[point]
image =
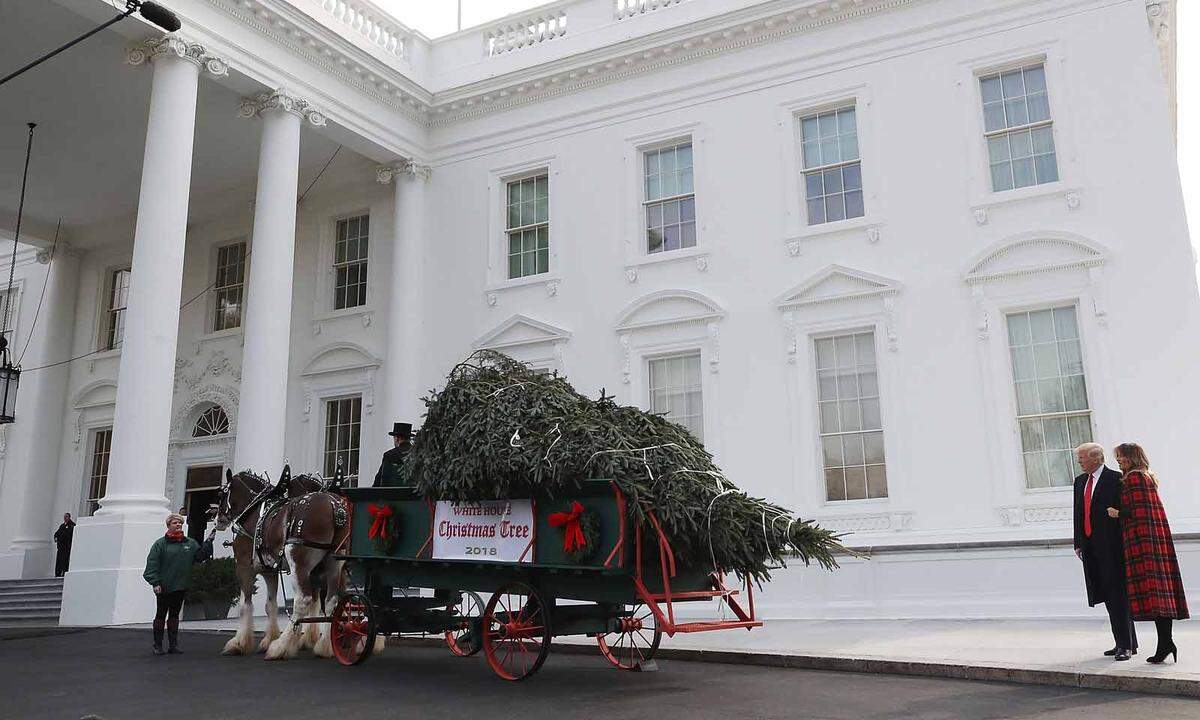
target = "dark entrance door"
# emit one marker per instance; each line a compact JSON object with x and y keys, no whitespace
{"x":203,"y":490}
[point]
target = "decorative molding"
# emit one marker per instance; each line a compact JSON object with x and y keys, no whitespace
{"x":552,"y":288}
{"x":405,"y":168}
{"x":878,"y":522}
{"x":714,"y":341}
{"x":77,"y":429}
{"x":837,"y":284}
{"x":873,"y":235}
{"x":1160,"y":15}
{"x":889,"y":322}
{"x":493,"y":299}
{"x":668,"y":308}
{"x":736,"y":30}
{"x":626,"y":357}
{"x":270,"y":100}
{"x":1015,"y":515}
{"x":525,"y":31}
{"x":793,"y":337}
{"x":204,"y":396}
{"x":981,"y":216}
{"x":521,"y":330}
{"x":173,"y":46}
{"x":982,"y":318}
{"x":1034,"y":253}
{"x":1096,"y":286}
{"x":631,"y":275}
{"x":1073,"y":199}
{"x":219,"y":364}
{"x":702,"y":263}
{"x":793,"y":248}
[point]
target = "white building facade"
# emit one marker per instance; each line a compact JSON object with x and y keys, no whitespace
{"x":890,"y":259}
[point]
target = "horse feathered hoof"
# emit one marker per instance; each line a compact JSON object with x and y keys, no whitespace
{"x":237,"y":646}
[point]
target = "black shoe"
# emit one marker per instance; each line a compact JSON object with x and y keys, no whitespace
{"x":158,"y":650}
{"x":1160,"y":657}
{"x":1110,"y":653}
{"x":1122,"y":655}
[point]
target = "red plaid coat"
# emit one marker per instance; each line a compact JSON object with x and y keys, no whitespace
{"x":1151,"y":570}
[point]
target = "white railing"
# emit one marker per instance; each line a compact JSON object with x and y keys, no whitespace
{"x":525,"y":32}
{"x":369,"y":23}
{"x":632,"y":8}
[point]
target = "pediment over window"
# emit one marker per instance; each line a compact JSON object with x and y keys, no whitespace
{"x":668,"y":307}
{"x":836,"y":284}
{"x":96,"y":394}
{"x":340,"y":357}
{"x":521,"y":330}
{"x":1031,"y":254}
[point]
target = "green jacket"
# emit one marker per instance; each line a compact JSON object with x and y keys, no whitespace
{"x":169,"y":564}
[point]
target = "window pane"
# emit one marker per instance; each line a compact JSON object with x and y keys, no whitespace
{"x":852,"y":449}
{"x":876,"y":481}
{"x":1032,"y":437}
{"x":1051,"y":396}
{"x":832,"y":449}
{"x":1041,"y":324}
{"x":873,"y":444}
{"x":856,"y":483}
{"x":1002,"y":178}
{"x":1035,"y":471}
{"x":835,"y":484}
{"x":1075,"y":393}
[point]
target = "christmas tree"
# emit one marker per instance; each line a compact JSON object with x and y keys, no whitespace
{"x":500,"y":430}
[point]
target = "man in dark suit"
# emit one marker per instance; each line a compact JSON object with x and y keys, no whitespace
{"x":1098,"y":544}
{"x":402,"y":442}
{"x":62,"y":539}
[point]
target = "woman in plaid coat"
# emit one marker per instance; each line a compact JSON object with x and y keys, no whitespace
{"x":1151,"y":569}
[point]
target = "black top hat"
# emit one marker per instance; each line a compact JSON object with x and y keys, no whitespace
{"x":401,"y":430}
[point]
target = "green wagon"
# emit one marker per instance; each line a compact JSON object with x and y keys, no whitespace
{"x":547,"y":566}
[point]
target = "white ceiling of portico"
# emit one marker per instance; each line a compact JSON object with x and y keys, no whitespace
{"x":91,"y":109}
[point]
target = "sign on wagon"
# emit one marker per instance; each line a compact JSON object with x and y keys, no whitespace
{"x":493,"y":530}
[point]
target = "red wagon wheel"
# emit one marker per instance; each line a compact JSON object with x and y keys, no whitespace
{"x":352,"y":629}
{"x":465,"y":640}
{"x":516,"y":631}
{"x":635,"y":641}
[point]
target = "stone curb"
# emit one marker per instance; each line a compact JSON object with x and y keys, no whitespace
{"x":988,"y":673}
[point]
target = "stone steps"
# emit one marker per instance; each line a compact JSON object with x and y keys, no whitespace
{"x":30,"y":603}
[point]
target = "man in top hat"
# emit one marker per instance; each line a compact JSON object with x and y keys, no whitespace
{"x":402,"y":442}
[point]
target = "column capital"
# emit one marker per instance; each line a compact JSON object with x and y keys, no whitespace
{"x":404,"y":168}
{"x":173,"y":46}
{"x":280,"y":100}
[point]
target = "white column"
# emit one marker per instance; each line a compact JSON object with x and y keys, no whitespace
{"x":263,"y":402}
{"x":405,"y":314}
{"x":35,"y":439}
{"x":105,"y":583}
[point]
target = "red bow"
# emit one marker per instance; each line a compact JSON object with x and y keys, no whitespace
{"x":573,"y":535}
{"x":381,"y":513}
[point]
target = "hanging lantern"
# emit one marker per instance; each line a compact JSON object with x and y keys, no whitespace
{"x":10,"y":378}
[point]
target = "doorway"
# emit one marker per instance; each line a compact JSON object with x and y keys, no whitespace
{"x":202,"y":493}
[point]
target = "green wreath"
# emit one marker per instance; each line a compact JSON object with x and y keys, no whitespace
{"x":580,"y":531}
{"x":383,"y":532}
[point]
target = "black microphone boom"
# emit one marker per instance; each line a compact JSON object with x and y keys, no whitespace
{"x":160,"y":16}
{"x":151,"y":11}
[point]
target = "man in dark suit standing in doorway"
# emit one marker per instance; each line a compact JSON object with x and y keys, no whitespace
{"x":402,"y":442}
{"x":1098,"y":544}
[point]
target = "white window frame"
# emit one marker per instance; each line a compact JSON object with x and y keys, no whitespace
{"x":89,"y":461}
{"x":498,"y":282}
{"x":351,"y":478}
{"x":105,"y":309}
{"x":335,"y":265}
{"x":647,"y":203}
{"x":814,"y":378}
{"x":533,"y":342}
{"x":210,"y":317}
{"x":1052,"y":56}
{"x":637,"y":255}
{"x":650,"y":357}
{"x":325,"y":276}
{"x":796,"y":230}
{"x":519,"y":181}
{"x":1032,"y":287}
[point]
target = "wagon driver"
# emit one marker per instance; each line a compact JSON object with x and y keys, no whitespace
{"x":402,"y":443}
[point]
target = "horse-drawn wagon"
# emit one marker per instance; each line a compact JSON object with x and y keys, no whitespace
{"x":506,"y":576}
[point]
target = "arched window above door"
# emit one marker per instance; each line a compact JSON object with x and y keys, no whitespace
{"x":212,"y":421}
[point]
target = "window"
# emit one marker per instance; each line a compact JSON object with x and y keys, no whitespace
{"x":342,"y":420}
{"x":118,"y":298}
{"x":851,"y":425}
{"x":1052,"y":402}
{"x":350,"y":263}
{"x":670,"y":199}
{"x":98,"y":477}
{"x":832,"y":168}
{"x":675,"y":390}
{"x":1018,"y":128}
{"x":229,"y":286}
{"x":528,"y":226}
{"x":212,"y":421}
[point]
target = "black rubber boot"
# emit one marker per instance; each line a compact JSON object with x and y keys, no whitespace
{"x":158,"y":638}
{"x":173,"y":639}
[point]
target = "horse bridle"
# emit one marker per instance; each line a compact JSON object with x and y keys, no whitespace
{"x":235,"y":523}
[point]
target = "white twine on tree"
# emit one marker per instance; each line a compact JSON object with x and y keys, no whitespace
{"x":510,"y":387}
{"x":557,"y":432}
{"x":711,"y":551}
{"x":515,"y":440}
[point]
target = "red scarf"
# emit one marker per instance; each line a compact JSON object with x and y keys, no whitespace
{"x":175,"y":536}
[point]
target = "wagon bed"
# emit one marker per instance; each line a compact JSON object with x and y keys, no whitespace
{"x":622,"y":590}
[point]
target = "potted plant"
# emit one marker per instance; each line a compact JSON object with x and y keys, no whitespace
{"x":214,"y":590}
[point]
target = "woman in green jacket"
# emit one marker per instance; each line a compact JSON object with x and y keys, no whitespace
{"x":169,"y":572}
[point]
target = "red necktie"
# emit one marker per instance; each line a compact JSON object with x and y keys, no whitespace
{"x":1087,"y":507}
